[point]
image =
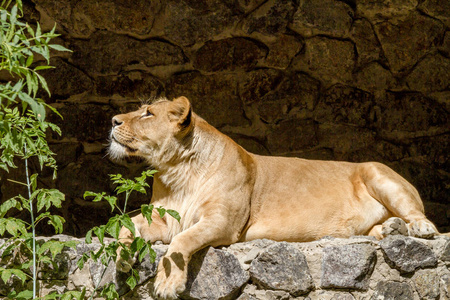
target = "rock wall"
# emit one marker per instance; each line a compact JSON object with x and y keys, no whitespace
{"x":353,"y":80}
{"x":397,"y":267}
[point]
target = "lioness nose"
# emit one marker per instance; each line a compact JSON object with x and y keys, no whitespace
{"x":116,"y":121}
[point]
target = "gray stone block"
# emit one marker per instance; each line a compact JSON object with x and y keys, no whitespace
{"x":214,"y":274}
{"x":282,"y":267}
{"x":391,"y":290}
{"x":407,"y":254}
{"x":348,"y":266}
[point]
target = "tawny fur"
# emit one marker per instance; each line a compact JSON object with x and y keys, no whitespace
{"x":225,"y":194}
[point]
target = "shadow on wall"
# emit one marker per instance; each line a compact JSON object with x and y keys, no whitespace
{"x":344,"y":80}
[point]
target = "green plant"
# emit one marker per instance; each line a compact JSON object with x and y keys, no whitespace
{"x":23,"y":131}
{"x":108,"y":251}
{"x":24,"y":51}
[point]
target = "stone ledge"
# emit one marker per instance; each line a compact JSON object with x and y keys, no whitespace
{"x":331,"y":268}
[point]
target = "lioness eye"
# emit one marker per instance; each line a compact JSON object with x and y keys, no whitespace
{"x":147,"y":113}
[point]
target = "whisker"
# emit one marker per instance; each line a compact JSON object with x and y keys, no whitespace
{"x":139,"y":140}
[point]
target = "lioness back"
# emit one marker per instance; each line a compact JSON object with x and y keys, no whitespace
{"x":301,"y":200}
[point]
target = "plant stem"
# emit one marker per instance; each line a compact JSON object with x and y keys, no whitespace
{"x":18,"y":182}
{"x":33,"y":226}
{"x":127,"y":194}
{"x":100,"y":279}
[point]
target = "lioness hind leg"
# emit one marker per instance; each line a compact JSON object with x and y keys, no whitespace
{"x":399,"y":197}
{"x":392,"y":226}
{"x":422,"y":228}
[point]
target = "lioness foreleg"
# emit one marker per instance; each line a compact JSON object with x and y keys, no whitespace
{"x":156,"y":231}
{"x":171,"y":276}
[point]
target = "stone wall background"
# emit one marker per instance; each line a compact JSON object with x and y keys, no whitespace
{"x":355,"y":80}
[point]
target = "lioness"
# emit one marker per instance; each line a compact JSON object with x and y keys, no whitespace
{"x":225,"y":194}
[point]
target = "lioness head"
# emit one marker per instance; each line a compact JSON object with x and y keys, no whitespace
{"x":153,"y":131}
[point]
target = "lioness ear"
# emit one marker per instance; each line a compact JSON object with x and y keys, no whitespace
{"x":181,"y":112}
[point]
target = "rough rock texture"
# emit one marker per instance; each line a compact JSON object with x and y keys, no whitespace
{"x":214,"y":268}
{"x":407,"y":254}
{"x":328,"y":269}
{"x":392,"y":290}
{"x":282,"y":267}
{"x":348,"y":266}
{"x":322,"y":79}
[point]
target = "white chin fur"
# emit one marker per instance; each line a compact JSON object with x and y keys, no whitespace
{"x":117,"y":151}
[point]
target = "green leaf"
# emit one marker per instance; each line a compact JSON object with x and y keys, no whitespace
{"x":145,"y":250}
{"x":45,"y":260}
{"x":13,"y":16}
{"x":125,"y":220}
{"x":78,"y":295}
{"x":54,"y":127}
{"x":71,"y":244}
{"x":38,"y":30}
{"x":29,"y":61}
{"x":7,"y":205}
{"x":137,"y":244}
{"x":125,"y":252}
{"x":174,"y":214}
{"x":111,"y":249}
{"x":88,"y":237}
{"x":48,"y":198}
{"x":42,"y":216}
{"x":43,"y":83}
{"x":95,"y":256}
{"x":33,"y":180}
{"x":13,"y":226}
{"x":38,"y":68}
{"x":161,"y":211}
{"x":97,"y":196}
{"x":83,"y":259}
{"x":55,"y":247}
{"x":37,"y":108}
{"x":149,"y":173}
{"x":32,"y":83}
{"x":6,"y":274}
{"x":4,"y":166}
{"x":89,"y":194}
{"x":113,"y":227}
{"x":132,"y":282}
{"x":59,"y":47}
{"x":52,"y":295}
{"x":147,"y":211}
{"x":109,"y":292}
{"x":20,"y":274}
{"x":57,"y":222}
{"x":152,"y":255}
{"x":112,"y":201}
{"x":24,"y":295}
{"x":100,"y":233}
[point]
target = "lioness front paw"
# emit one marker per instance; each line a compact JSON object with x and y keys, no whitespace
{"x":170,"y":281}
{"x":124,"y":265}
